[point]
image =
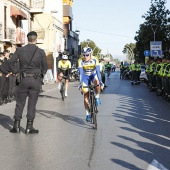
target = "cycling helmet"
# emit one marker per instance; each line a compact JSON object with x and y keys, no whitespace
{"x":87,"y":50}
{"x":65,"y":57}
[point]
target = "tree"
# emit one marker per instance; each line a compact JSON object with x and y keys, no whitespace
{"x":91,"y":44}
{"x":157,"y":15}
{"x":129,"y":50}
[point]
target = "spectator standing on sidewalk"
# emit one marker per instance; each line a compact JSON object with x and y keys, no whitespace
{"x":102,"y":69}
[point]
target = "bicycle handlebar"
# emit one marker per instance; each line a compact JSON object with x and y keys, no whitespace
{"x":66,"y":77}
{"x":92,"y":86}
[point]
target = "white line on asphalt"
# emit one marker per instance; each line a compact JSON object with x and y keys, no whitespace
{"x":155,"y":165}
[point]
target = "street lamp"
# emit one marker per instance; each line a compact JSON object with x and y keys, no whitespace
{"x":154,"y":28}
{"x":88,"y":41}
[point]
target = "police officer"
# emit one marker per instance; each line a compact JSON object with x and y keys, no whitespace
{"x":138,"y":71}
{"x":33,"y":66}
{"x":2,"y":77}
{"x":158,"y":77}
{"x":151,"y":75}
{"x":167,"y":79}
{"x":134,"y":73}
{"x":8,"y":76}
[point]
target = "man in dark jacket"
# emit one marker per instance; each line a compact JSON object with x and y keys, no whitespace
{"x":33,"y":66}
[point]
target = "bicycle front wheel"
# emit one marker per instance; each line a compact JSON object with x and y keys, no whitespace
{"x":62,"y":91}
{"x":94,"y":114}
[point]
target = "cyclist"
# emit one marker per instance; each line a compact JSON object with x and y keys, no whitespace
{"x":108,"y":67}
{"x":64,"y":69}
{"x":89,"y":70}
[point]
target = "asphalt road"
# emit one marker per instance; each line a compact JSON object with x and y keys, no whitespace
{"x":133,"y":130}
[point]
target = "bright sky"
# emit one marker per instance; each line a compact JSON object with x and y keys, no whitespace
{"x":111,"y":24}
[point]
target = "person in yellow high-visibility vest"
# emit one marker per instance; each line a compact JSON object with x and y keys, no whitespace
{"x":151,"y":74}
{"x":158,"y":78}
{"x":134,"y":75}
{"x":162,"y":74}
{"x":167,"y":79}
{"x":138,"y":71}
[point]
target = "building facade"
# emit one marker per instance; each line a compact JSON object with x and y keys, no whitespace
{"x":51,"y":19}
{"x":14,"y":24}
{"x":71,"y":38}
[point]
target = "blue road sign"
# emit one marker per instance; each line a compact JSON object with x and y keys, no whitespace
{"x":156,"y":53}
{"x":156,"y":48}
{"x":146,"y":53}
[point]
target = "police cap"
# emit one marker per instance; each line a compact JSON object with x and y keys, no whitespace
{"x":32,"y":33}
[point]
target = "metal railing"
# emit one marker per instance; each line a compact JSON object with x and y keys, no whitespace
{"x":37,"y":4}
{"x":10,"y":33}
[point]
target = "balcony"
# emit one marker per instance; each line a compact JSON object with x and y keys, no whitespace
{"x":37,"y":6}
{"x":20,"y":36}
{"x":9,"y":35}
{"x":73,"y":35}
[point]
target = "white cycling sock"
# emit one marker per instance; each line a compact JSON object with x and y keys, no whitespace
{"x":59,"y":85}
{"x":87,"y":112}
{"x":97,"y":96}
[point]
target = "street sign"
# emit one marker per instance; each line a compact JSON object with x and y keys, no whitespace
{"x":156,"y":49}
{"x":146,"y":53}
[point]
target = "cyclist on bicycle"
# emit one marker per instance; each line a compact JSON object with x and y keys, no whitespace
{"x":64,"y":69}
{"x":89,"y":70}
{"x":108,"y":67}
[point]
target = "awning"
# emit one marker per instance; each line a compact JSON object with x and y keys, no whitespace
{"x":16,"y":11}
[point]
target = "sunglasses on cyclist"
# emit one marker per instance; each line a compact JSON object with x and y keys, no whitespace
{"x":86,"y":55}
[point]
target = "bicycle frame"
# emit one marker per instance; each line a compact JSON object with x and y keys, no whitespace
{"x":93,"y":107}
{"x":62,"y":90}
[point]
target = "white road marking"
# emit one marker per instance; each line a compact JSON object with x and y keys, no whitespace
{"x":155,"y":165}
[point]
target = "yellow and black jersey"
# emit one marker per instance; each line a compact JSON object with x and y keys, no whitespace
{"x":64,"y":66}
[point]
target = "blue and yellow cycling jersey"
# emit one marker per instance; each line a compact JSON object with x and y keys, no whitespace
{"x":89,"y":67}
{"x":89,"y":71}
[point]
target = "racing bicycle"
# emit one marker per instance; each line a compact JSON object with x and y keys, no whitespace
{"x":62,"y":89}
{"x":92,"y":104}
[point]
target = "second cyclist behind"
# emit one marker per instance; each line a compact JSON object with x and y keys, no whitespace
{"x":64,"y":69}
{"x":89,"y":70}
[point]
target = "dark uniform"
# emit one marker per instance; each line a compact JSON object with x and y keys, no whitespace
{"x":30,"y":85}
{"x":2,"y":78}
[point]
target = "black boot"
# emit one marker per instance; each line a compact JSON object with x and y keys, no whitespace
{"x":29,"y":128}
{"x":16,"y":128}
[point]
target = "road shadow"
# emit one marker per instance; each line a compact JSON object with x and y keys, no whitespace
{"x":125,"y":164}
{"x":7,"y":123}
{"x":148,"y":120}
{"x":50,"y":97}
{"x":67,"y":118}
